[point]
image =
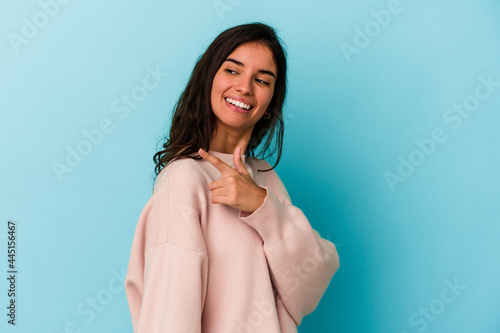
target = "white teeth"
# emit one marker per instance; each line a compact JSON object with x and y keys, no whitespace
{"x":238,"y":104}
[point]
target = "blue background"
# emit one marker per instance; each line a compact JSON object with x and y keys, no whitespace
{"x":352,"y":117}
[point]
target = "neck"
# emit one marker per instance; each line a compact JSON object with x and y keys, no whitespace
{"x":228,"y":158}
{"x":226,"y":141}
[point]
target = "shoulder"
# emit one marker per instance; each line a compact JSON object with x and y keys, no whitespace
{"x":258,"y":163}
{"x":271,"y":178}
{"x":172,"y":213}
{"x":181,"y":174}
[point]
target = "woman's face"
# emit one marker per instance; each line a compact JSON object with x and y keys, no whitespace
{"x":246,"y":78}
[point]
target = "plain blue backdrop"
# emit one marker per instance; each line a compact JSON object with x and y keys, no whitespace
{"x":391,"y":150}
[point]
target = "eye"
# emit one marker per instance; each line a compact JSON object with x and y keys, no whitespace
{"x":262,"y":81}
{"x":230,"y":71}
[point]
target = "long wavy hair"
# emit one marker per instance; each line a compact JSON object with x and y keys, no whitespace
{"x":193,"y":120}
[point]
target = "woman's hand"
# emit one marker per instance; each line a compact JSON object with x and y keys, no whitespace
{"x":236,"y":188}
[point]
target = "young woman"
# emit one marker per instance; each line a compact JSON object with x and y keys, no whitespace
{"x":219,"y":247}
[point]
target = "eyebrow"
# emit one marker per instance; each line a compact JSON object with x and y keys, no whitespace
{"x":239,"y":63}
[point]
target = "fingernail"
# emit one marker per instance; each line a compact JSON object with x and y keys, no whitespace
{"x":201,"y":151}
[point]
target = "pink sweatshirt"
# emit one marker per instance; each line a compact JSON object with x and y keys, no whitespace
{"x":200,"y":267}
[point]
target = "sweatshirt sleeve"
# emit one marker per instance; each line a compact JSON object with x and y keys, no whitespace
{"x":166,"y":278}
{"x":301,"y":263}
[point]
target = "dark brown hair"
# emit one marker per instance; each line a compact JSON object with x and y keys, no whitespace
{"x":193,"y":119}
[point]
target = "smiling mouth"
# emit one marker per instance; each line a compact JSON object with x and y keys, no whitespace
{"x":239,"y":104}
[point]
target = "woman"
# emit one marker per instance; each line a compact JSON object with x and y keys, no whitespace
{"x":219,"y":247}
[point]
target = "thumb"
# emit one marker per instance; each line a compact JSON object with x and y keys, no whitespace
{"x":238,"y":162}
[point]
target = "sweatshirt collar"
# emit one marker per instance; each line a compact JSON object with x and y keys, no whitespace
{"x":227,"y":158}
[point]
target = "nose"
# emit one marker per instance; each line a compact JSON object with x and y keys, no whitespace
{"x":244,"y":85}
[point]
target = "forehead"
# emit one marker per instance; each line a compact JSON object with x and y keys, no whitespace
{"x":255,"y":53}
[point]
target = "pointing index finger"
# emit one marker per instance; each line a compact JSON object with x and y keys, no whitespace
{"x":222,"y":166}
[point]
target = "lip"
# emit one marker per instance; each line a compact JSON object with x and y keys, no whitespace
{"x":235,"y":108}
{"x":239,"y":99}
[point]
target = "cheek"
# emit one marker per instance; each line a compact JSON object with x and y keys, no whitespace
{"x":268,"y":97}
{"x":216,"y":90}
{"x":219,"y":82}
{"x":214,"y":85}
